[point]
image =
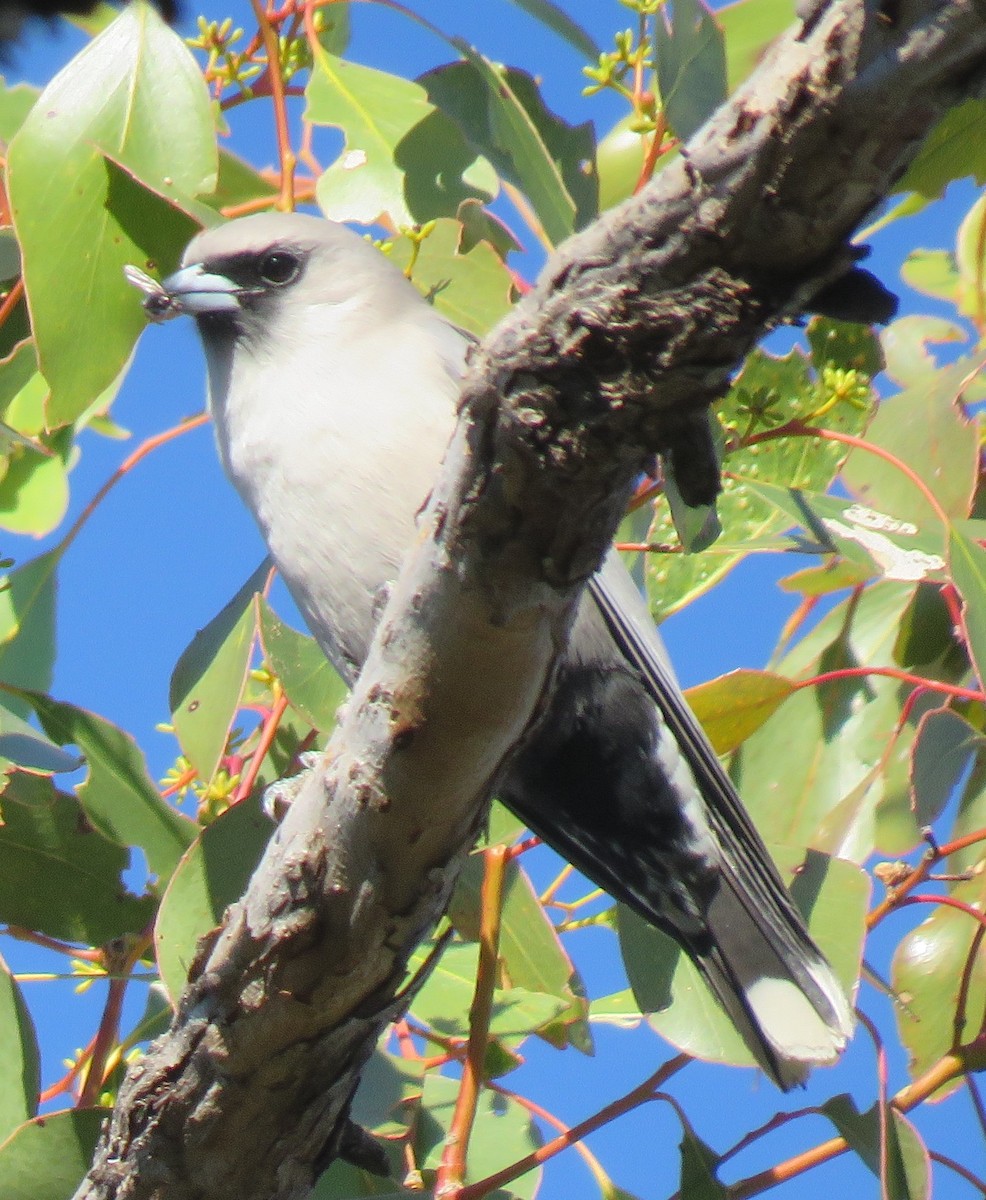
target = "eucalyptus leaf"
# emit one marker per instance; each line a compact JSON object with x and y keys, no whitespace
{"x":47,"y":1158}
{"x":209,"y":677}
{"x":106,"y":102}
{"x":20,"y":1080}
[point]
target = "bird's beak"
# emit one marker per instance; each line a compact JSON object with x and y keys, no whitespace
{"x":195,"y":291}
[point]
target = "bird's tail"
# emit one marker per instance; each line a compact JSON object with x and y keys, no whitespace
{"x":780,"y":993}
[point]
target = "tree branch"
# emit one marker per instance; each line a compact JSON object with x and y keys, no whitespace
{"x":631,"y":332}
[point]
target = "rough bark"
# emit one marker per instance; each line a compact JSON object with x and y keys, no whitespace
{"x":630,"y":334}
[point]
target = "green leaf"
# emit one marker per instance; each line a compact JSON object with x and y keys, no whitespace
{"x":27,"y":626}
{"x":444,"y":1001}
{"x":105,"y":105}
{"x":845,"y":344}
{"x":311,"y":684}
{"x":472,"y":290}
{"x":118,"y":795}
{"x":47,"y":1158}
{"x":698,"y":1166}
{"x":502,"y":827}
{"x":934,"y":273}
{"x":402,"y":157}
{"x":502,"y":114}
{"x":931,"y":959}
{"x":21,"y":1076}
{"x":923,"y":428}
{"x":24,"y":746}
{"x":906,"y":345}
{"x":731,"y":707}
{"x":558,"y":21}
{"x":531,"y":953}
{"x":970,"y":257}
{"x":832,"y":896}
{"x":502,"y":1134}
{"x":15,"y":103}
{"x":874,"y":542}
{"x":46,"y":836}
{"x":33,"y":493}
{"x":388,"y":1089}
{"x":769,"y":392}
{"x":237,"y":182}
{"x":749,"y":29}
{"x":824,"y":749}
{"x":343,"y":1181}
{"x":943,"y":750}
{"x":952,"y":150}
{"x":908,"y":1174}
{"x":967,"y":560}
{"x":214,"y":872}
{"x":691,"y":65}
{"x":210,"y":675}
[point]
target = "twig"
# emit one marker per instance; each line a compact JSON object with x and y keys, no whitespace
{"x":452,"y":1170}
{"x":642,"y":1094}
{"x":286,"y":199}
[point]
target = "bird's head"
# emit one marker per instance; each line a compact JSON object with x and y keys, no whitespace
{"x":261,"y":276}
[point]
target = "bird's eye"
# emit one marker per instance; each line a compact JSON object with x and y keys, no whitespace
{"x":278,"y":267}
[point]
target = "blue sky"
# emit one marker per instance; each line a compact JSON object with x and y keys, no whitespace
{"x":172,"y":544}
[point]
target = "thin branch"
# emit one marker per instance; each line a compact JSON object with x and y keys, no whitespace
{"x":286,"y":156}
{"x":644,"y":1093}
{"x":959,"y":1169}
{"x":452,"y":1169}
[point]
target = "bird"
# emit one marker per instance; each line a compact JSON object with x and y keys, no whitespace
{"x":333,"y":385}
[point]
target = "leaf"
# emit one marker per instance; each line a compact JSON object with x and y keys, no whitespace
{"x":749,"y":30}
{"x":47,"y":1158}
{"x":812,"y":774}
{"x":906,"y":344}
{"x":558,"y":21}
{"x":34,"y":491}
{"x":444,"y":1001}
{"x":845,"y":344}
{"x":943,"y":750}
{"x":923,"y":428}
{"x":502,"y":114}
{"x":27,"y":626}
{"x":698,"y":1166}
{"x":691,"y":65}
{"x":886,"y":545}
{"x":118,"y":795}
{"x":769,"y":392}
{"x":731,"y":707}
{"x":237,"y":182}
{"x":209,"y":677}
{"x":531,"y":953}
{"x":310,"y":682}
{"x":402,"y":157}
{"x":908,"y":1174}
{"x":15,"y":103}
{"x":967,"y":560}
{"x":934,"y":273}
{"x":930,"y":961}
{"x":970,"y":256}
{"x":503,"y":1133}
{"x":472,"y":290}
{"x":832,"y":896}
{"x":952,"y":150}
{"x":45,"y":836}
{"x":214,"y":872}
{"x":106,"y":102}
{"x":21,"y":1076}
{"x":25,"y":747}
{"x":388,"y":1090}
